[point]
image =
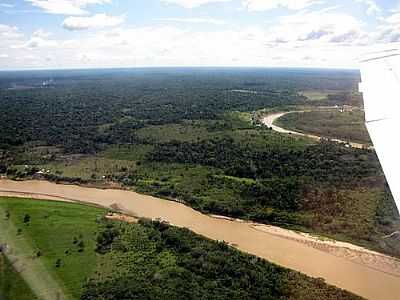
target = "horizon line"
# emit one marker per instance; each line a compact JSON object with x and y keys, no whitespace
{"x":177,"y":67}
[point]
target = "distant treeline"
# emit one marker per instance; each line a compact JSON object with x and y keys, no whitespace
{"x":70,"y":111}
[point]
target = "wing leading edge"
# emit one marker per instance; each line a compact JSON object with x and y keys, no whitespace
{"x":380,"y":75}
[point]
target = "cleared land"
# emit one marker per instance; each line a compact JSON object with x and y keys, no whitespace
{"x":89,"y":168}
{"x":12,"y":286}
{"x":317,"y":95}
{"x":149,"y":260}
{"x":53,"y":251}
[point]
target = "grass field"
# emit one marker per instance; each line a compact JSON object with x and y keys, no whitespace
{"x":194,"y":131}
{"x":12,"y":286}
{"x":64,"y":235}
{"x":347,"y":125}
{"x":92,"y":167}
{"x":126,"y":152}
{"x":317,"y":95}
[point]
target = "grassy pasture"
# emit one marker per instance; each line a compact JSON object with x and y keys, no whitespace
{"x":317,"y":95}
{"x":90,"y":168}
{"x":12,"y":286}
{"x":59,"y":231}
{"x":126,"y":152}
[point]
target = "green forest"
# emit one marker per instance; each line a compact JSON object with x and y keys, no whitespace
{"x":194,"y":136}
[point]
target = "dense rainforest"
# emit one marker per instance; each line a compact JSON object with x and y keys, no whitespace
{"x":193,"y":135}
{"x":69,"y":111}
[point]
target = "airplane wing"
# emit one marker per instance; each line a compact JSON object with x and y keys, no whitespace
{"x":380,"y":75}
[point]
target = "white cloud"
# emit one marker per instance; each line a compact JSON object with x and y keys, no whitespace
{"x":37,"y":42}
{"x":66,"y":7}
{"x":10,"y":36}
{"x":6,"y":5}
{"x":38,"y":39}
{"x":394,"y":19}
{"x":193,"y":20}
{"x":176,"y":46}
{"x":192,"y":3}
{"x":40,"y":33}
{"x":8,"y":32}
{"x":321,"y":27}
{"x":324,"y":38}
{"x":372,"y":6}
{"x":263,"y":5}
{"x":389,"y":30}
{"x":95,"y":21}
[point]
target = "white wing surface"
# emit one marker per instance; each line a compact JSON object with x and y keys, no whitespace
{"x":380,"y":75}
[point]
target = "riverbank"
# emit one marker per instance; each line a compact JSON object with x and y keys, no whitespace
{"x":269,"y":121}
{"x":361,"y":271}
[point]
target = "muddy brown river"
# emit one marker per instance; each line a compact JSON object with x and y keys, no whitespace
{"x":366,"y":273}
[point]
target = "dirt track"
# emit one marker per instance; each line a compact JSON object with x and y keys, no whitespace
{"x":364,"y":272}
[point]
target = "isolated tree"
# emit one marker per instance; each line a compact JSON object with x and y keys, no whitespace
{"x":58,"y":263}
{"x":81,"y":246}
{"x":27,"y":219}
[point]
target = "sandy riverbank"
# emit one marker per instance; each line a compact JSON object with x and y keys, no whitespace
{"x":269,"y":120}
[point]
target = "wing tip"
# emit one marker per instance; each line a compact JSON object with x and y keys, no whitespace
{"x":377,"y":55}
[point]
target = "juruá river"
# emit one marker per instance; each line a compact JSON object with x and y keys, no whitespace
{"x":269,"y":120}
{"x":366,"y":273}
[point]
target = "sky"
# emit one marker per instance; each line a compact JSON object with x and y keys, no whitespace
{"x":59,"y":34}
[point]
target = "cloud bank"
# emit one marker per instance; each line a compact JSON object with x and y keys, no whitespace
{"x":92,"y":22}
{"x":66,"y":7}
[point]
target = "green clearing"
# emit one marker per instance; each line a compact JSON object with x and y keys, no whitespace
{"x":12,"y":286}
{"x":346,"y":125}
{"x":92,"y":167}
{"x":238,"y":119}
{"x":198,"y":130}
{"x":58,"y":231}
{"x":317,"y":95}
{"x":126,"y":152}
